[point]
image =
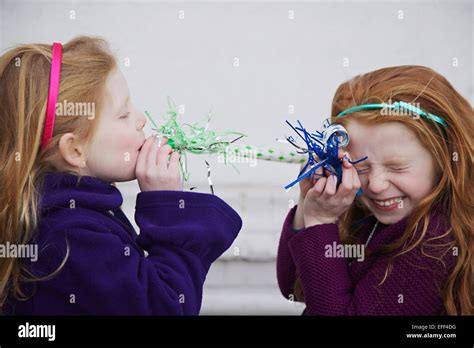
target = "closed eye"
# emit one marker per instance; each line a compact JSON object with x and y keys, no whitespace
{"x":398,"y":169}
{"x":124,"y":115}
{"x":362,"y":170}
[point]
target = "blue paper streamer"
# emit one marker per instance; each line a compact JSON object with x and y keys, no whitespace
{"x":323,"y":146}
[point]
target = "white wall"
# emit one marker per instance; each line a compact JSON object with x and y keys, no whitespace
{"x":282,"y":62}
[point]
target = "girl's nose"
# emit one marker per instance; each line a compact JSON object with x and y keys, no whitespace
{"x":377,"y":182}
{"x":141,"y":121}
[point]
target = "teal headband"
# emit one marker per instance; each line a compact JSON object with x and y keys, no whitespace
{"x":395,"y":106}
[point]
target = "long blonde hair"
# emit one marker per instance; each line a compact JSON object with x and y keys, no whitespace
{"x":24,"y":82}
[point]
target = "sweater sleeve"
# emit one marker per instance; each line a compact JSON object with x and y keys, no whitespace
{"x":286,"y":271}
{"x":412,"y":287}
{"x":183,"y":233}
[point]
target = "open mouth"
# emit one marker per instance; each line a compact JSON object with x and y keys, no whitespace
{"x":388,"y":204}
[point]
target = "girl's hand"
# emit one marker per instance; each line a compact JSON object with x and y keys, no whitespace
{"x":156,"y":170}
{"x":323,"y":203}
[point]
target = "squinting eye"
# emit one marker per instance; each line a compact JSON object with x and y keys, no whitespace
{"x":362,"y":170}
{"x":124,"y":116}
{"x":398,"y":169}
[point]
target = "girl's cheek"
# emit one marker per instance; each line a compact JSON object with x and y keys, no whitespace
{"x":128,"y":144}
{"x":126,"y":140}
{"x":416,"y":187}
{"x":409,"y":184}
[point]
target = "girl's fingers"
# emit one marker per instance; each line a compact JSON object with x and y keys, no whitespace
{"x":347,"y":183}
{"x":162,"y":157}
{"x":162,"y":141}
{"x":346,"y":162}
{"x":151,"y":155}
{"x":142,"y":157}
{"x":174,"y":161}
{"x":319,"y":186}
{"x":345,"y":157}
{"x":331,"y":184}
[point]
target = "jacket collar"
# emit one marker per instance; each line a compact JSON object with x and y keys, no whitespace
{"x":61,"y":189}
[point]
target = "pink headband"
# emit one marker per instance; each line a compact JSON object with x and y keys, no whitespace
{"x":52,"y":94}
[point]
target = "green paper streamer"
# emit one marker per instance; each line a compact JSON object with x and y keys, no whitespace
{"x":198,"y":139}
{"x":194,"y":138}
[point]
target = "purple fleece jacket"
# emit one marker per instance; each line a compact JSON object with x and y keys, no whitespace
{"x":335,"y":286}
{"x":107,"y":272}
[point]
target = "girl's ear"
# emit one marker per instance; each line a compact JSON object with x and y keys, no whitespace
{"x":72,"y":151}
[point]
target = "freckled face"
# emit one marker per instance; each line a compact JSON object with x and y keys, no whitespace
{"x":398,"y":173}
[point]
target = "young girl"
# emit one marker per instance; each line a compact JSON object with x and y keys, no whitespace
{"x":58,"y":166}
{"x":414,"y":218}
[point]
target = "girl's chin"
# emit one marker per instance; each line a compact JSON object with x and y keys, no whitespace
{"x":391,"y":217}
{"x":388,"y":220}
{"x":124,"y":176}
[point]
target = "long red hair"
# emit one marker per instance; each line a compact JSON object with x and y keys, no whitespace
{"x":452,"y":151}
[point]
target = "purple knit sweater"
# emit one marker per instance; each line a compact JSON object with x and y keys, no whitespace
{"x":336,"y":286}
